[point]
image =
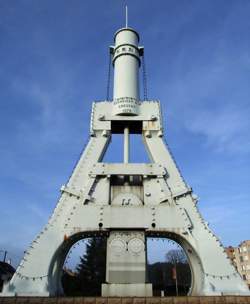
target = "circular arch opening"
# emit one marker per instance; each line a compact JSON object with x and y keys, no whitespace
{"x":174,"y":250}
{"x":84,"y":269}
{"x":79,"y":265}
{"x":168,"y":268}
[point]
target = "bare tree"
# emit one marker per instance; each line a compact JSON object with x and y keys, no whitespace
{"x":180,"y":268}
{"x":176,"y":256}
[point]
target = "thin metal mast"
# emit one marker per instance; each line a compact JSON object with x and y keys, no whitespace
{"x":126,"y":9}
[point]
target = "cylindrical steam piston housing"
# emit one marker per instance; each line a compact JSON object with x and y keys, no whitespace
{"x":126,"y":62}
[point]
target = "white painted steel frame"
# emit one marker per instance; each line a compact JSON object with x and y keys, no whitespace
{"x":160,"y":203}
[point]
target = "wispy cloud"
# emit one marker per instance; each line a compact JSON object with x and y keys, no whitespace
{"x":206,"y":102}
{"x":228,"y":215}
{"x":53,"y":114}
{"x":225,"y":130}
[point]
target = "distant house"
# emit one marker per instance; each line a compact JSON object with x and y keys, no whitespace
{"x":6,"y":273}
{"x":240,"y":257}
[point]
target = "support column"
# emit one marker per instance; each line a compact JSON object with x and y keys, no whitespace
{"x":126,"y":265}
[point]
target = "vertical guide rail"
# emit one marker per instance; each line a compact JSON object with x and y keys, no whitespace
{"x":144,"y":78}
{"x":108,"y":78}
{"x":126,"y":145}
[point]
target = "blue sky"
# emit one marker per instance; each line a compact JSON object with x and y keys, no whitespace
{"x":54,"y":60}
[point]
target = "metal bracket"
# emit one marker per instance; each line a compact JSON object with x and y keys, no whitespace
{"x":65,"y":189}
{"x":184,"y":192}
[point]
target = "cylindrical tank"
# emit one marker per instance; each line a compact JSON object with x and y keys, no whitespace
{"x":126,"y":62}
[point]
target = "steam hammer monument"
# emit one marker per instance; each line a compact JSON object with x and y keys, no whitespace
{"x":126,"y":202}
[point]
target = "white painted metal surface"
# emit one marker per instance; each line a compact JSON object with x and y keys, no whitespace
{"x":128,"y":202}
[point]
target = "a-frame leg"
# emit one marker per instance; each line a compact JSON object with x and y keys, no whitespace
{"x":213,"y":273}
{"x":40,"y":268}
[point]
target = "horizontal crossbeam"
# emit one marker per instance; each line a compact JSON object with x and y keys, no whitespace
{"x":127,"y":169}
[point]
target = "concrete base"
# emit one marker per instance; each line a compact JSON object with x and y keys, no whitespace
{"x":148,"y":300}
{"x":127,"y":290}
{"x":26,"y":295}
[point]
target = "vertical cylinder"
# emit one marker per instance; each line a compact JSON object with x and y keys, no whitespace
{"x":126,"y":61}
{"x":126,"y":145}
